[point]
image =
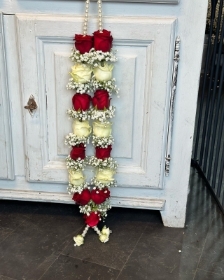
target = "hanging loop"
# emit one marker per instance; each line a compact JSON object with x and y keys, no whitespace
{"x":100,"y":24}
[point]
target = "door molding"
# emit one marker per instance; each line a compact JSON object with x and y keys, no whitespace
{"x":6,"y":154}
{"x":145,"y":1}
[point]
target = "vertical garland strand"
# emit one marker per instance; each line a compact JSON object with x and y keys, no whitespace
{"x":92,"y":73}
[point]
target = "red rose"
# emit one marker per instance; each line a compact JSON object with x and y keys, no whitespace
{"x":103,"y":153}
{"x":83,"y":43}
{"x":102,"y":40}
{"x":82,"y":198}
{"x":78,"y":152}
{"x":81,"y":101}
{"x":99,"y":196}
{"x":101,"y":99}
{"x":92,"y":220}
{"x":105,"y":193}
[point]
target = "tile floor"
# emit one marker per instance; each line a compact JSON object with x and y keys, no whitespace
{"x":36,"y":243}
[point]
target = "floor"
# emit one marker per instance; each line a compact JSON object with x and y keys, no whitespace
{"x":36,"y":243}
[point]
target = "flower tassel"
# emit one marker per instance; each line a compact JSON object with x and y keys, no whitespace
{"x":79,"y":239}
{"x":104,"y":234}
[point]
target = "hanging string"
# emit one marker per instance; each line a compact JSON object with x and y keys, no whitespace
{"x":100,"y":15}
{"x":85,"y":27}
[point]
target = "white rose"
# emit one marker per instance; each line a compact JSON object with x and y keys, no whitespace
{"x":103,"y":73}
{"x":79,"y":240}
{"x":106,"y":231}
{"x":81,"y":129}
{"x":104,"y":238}
{"x":81,"y":73}
{"x":76,"y":178}
{"x":102,"y":129}
{"x":105,"y":175}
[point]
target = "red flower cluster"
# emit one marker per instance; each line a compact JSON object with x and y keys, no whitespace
{"x":97,"y":196}
{"x":103,"y":40}
{"x":100,"y":41}
{"x":78,"y":151}
{"x":83,"y":43}
{"x":101,"y":99}
{"x":93,"y":219}
{"x":103,"y":153}
{"x":83,"y":198}
{"x":81,"y":101}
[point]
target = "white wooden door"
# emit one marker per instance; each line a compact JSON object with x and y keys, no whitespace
{"x":143,"y":73}
{"x":6,"y":160}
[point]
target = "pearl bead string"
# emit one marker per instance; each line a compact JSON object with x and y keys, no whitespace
{"x":97,"y":230}
{"x":85,"y":231}
{"x":86,"y":18}
{"x":100,"y":15}
{"x":85,"y":26}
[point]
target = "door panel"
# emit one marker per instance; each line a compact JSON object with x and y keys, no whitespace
{"x":6,"y":159}
{"x":145,"y":50}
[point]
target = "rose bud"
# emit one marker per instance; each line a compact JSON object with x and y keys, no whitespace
{"x":81,"y":101}
{"x":103,"y":153}
{"x":92,"y":220}
{"x":101,"y":99}
{"x":83,"y":43}
{"x":78,"y":152}
{"x":97,"y":196}
{"x":103,"y":40}
{"x":82,"y":198}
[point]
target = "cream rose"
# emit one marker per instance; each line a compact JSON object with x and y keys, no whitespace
{"x":103,"y":73}
{"x":105,"y":175}
{"x":81,"y":73}
{"x":81,"y":129}
{"x":106,"y":231}
{"x":76,"y":178}
{"x":104,"y":238}
{"x":79,"y":240}
{"x":102,"y":129}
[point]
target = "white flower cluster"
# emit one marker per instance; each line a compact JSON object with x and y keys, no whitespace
{"x":80,"y":115}
{"x":93,"y":57}
{"x":101,"y":186}
{"x":72,"y":140}
{"x":86,"y":209}
{"x":77,"y":189}
{"x":101,"y":208}
{"x":102,"y":142}
{"x":103,"y":115}
{"x":78,"y":164}
{"x":79,"y":87}
{"x":100,"y":163}
{"x":109,"y":86}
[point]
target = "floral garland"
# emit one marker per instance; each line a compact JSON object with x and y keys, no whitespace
{"x":92,"y":73}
